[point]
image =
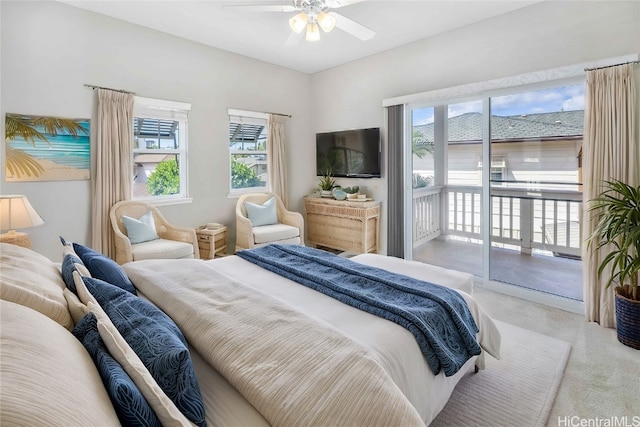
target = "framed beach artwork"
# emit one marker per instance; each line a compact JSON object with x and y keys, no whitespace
{"x":42,"y":148}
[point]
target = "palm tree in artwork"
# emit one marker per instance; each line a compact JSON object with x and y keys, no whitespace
{"x":19,"y":163}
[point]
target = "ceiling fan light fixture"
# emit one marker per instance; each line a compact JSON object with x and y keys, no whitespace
{"x":298,"y":22}
{"x":313,"y":32}
{"x":326,"y":21}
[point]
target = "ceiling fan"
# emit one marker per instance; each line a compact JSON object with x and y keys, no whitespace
{"x":314,"y":15}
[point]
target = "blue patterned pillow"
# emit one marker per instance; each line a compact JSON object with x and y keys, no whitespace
{"x":157,"y":341}
{"x":104,"y":268}
{"x":68,"y":267}
{"x":130,"y":405}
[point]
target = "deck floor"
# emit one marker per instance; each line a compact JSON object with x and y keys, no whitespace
{"x":550,"y":274}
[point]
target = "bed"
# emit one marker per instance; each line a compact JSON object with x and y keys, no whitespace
{"x":268,"y":351}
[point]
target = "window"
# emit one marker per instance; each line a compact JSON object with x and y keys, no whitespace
{"x":248,"y":152}
{"x":498,"y":169}
{"x":159,"y":149}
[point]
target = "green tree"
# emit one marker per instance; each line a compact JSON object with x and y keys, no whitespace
{"x":419,"y":145}
{"x":165,"y":179}
{"x":242,"y":176}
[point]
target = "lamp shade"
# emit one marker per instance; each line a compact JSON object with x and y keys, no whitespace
{"x":298,"y":22}
{"x":326,"y":21}
{"x":313,"y":32}
{"x":17,"y":212}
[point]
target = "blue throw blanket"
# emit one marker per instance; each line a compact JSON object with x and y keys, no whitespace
{"x":437,"y":316}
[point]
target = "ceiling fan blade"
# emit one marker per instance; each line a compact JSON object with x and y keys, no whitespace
{"x":261,"y":7}
{"x":294,"y":38}
{"x":352,"y":27}
{"x":334,"y":4}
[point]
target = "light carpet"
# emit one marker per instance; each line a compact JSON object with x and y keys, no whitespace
{"x":517,"y":390}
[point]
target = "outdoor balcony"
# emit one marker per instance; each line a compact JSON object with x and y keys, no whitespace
{"x":536,"y":236}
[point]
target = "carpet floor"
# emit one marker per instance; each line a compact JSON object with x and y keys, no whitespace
{"x":517,"y":390}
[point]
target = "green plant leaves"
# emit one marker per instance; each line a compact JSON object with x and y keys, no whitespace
{"x":617,"y":215}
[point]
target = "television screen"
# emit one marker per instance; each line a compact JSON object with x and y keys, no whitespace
{"x":349,"y":153}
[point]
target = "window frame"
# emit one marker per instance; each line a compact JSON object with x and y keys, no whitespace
{"x":248,"y":117}
{"x":158,"y":109}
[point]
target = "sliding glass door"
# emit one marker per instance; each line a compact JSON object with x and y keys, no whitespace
{"x":536,"y":202}
{"x":496,"y":187}
{"x":447,"y":186}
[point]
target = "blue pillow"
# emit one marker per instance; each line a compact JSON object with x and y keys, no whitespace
{"x":265,"y":214}
{"x":157,"y":341}
{"x":104,"y":268}
{"x":68,"y":267}
{"x":140,"y":230}
{"x":130,"y":405}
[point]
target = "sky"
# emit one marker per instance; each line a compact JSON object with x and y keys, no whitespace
{"x":566,"y":98}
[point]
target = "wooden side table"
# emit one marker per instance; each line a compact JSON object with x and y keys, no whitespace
{"x":212,"y":242}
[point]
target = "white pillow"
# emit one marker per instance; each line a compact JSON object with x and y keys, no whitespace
{"x":264,"y":214}
{"x":32,"y":280}
{"x":81,"y":289}
{"x":142,"y":229}
{"x":48,"y":378}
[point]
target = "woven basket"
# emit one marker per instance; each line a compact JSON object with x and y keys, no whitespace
{"x":628,"y":321}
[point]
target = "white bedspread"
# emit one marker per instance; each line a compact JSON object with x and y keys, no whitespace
{"x":183,"y":288}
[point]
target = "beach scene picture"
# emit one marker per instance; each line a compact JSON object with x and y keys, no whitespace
{"x":41,"y":148}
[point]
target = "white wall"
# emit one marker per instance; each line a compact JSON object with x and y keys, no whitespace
{"x":542,"y":36}
{"x":49,"y":50}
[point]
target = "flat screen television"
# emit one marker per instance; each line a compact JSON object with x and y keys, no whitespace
{"x":349,"y":153}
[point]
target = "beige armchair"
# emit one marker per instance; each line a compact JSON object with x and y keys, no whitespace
{"x":174,"y":242}
{"x":288,"y":230}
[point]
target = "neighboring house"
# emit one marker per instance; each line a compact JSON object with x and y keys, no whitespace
{"x":544,"y":147}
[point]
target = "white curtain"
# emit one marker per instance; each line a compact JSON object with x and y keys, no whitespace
{"x":611,"y":151}
{"x":112,"y":178}
{"x":277,"y":158}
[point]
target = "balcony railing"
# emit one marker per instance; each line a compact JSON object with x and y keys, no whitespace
{"x":548,"y":220}
{"x":426,"y":214}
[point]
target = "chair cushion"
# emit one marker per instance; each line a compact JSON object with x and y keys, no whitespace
{"x":294,"y":241}
{"x":264,"y":214}
{"x":274,"y":232}
{"x":161,"y":249}
{"x":140,"y":230}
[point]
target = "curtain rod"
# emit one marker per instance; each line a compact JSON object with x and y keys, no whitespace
{"x":280,"y":114}
{"x":133,"y":93}
{"x":609,"y":66}
{"x":108,"y":88}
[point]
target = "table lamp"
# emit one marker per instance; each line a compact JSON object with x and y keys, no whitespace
{"x":17,"y":212}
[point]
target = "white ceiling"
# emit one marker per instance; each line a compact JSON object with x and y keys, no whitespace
{"x":262,"y":35}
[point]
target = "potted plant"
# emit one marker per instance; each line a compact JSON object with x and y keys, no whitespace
{"x":618,"y":229}
{"x":352,"y":192}
{"x":327,"y":183}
